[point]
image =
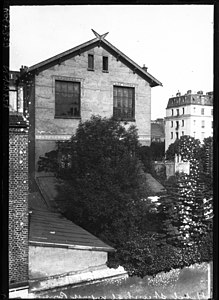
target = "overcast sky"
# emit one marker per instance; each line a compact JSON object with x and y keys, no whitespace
{"x":175,"y":42}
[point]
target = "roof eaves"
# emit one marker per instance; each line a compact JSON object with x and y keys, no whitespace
{"x":35,"y":68}
{"x":154,"y":81}
{"x":61,"y":55}
{"x":106,"y":248}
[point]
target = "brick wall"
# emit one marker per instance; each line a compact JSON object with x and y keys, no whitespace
{"x":18,"y":206}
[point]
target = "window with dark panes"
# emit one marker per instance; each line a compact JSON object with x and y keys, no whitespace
{"x":67,"y":99}
{"x":90,"y":62}
{"x":123,"y":103}
{"x":105,"y":63}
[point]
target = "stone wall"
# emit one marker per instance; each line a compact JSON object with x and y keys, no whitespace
{"x":96,"y":97}
{"x":57,"y":261}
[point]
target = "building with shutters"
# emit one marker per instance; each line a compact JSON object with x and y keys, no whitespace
{"x":189,"y":114}
{"x":94,"y":78}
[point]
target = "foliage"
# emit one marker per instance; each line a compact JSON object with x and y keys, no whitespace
{"x":145,"y":155}
{"x":187,"y":146}
{"x":207,"y":155}
{"x":49,"y":163}
{"x":157,"y":150}
{"x":148,"y":154}
{"x":104,"y":178}
{"x":105,"y":188}
{"x":186,"y":210}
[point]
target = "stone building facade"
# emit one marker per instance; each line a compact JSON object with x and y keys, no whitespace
{"x":189,"y":114}
{"x":18,"y":202}
{"x":94,"y":78}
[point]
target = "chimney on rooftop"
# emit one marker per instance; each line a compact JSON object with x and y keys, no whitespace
{"x":189,"y":92}
{"x":144,"y":68}
{"x":200,"y":92}
{"x":23,"y":69}
{"x":178,"y":94}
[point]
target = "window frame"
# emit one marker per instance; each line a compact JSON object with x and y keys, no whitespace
{"x":105,"y":62}
{"x":177,"y":125}
{"x":90,"y":62}
{"x":122,"y":118}
{"x":68,"y":82}
{"x":202,"y":111}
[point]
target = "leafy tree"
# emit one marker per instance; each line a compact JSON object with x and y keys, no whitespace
{"x":207,"y":155}
{"x":107,"y":195}
{"x":184,"y":207}
{"x":104,"y":177}
{"x":145,"y":155}
{"x":157,"y":150}
{"x":187,"y":146}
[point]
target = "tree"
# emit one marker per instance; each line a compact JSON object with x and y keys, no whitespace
{"x":207,"y":155}
{"x":105,"y":188}
{"x":157,"y":150}
{"x":104,"y":177}
{"x":187,"y":146}
{"x":145,"y":155}
{"x":184,"y":207}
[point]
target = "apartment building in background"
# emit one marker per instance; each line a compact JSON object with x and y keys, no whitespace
{"x":189,"y":114}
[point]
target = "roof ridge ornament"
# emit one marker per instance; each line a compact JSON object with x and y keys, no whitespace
{"x":100,"y":36}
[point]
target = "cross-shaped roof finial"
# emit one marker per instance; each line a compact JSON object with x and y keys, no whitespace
{"x":100,"y":36}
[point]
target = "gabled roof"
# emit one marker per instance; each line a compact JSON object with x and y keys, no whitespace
{"x":98,"y":41}
{"x":52,"y":229}
{"x":48,"y":227}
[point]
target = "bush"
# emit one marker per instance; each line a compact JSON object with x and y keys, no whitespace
{"x":105,"y":188}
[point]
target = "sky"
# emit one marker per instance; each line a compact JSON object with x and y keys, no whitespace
{"x":175,"y":42}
